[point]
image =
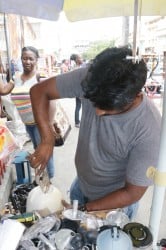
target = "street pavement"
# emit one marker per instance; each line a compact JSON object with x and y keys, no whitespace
{"x":65,"y":169}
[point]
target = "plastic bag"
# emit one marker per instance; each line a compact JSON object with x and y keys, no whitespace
{"x":18,"y":130}
{"x":10,"y":107}
{"x":8,"y":145}
{"x":43,"y":225}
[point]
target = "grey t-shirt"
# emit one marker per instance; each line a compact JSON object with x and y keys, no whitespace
{"x":112,"y":149}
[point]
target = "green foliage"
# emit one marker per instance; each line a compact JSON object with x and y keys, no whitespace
{"x":96,"y":47}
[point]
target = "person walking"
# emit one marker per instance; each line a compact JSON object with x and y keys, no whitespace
{"x":64,"y":66}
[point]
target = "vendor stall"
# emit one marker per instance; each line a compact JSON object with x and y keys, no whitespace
{"x":78,"y":10}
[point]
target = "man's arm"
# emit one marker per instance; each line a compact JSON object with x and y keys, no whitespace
{"x":41,"y":94}
{"x":117,"y":199}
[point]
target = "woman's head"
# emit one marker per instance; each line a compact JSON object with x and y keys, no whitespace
{"x":29,"y":57}
{"x":76,"y":58}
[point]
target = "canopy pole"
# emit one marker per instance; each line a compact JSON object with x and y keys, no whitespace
{"x":135,"y":28}
{"x":159,"y":190}
{"x":7,"y":46}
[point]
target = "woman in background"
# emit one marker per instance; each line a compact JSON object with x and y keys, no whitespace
{"x":21,"y":98}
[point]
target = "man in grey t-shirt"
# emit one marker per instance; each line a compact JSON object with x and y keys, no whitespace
{"x":119,"y":132}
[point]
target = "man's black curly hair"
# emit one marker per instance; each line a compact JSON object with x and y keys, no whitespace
{"x":113,"y":81}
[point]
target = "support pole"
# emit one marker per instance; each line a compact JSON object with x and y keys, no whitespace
{"x":7,"y":46}
{"x":159,"y":190}
{"x":135,"y":28}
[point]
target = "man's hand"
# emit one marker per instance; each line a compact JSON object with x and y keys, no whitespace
{"x":66,"y":205}
{"x":41,"y":156}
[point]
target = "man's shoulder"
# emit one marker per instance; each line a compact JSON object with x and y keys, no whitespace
{"x":76,"y":73}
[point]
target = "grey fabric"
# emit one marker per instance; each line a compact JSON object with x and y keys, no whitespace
{"x":112,"y":149}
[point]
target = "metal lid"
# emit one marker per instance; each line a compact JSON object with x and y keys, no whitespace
{"x":117,"y":217}
{"x":139,"y":234}
{"x":113,"y":239}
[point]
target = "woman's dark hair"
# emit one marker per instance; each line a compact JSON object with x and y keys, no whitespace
{"x":73,"y":57}
{"x":113,"y":81}
{"x":33,"y":49}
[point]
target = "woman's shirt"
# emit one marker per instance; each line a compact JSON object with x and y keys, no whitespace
{"x":21,"y":98}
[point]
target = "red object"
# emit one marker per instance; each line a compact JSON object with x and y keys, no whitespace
{"x":4,"y":166}
{"x":1,"y":173}
{"x":2,"y":169}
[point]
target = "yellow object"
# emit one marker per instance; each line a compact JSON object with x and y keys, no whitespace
{"x":7,"y":142}
{"x":158,"y":177}
{"x":91,"y":9}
